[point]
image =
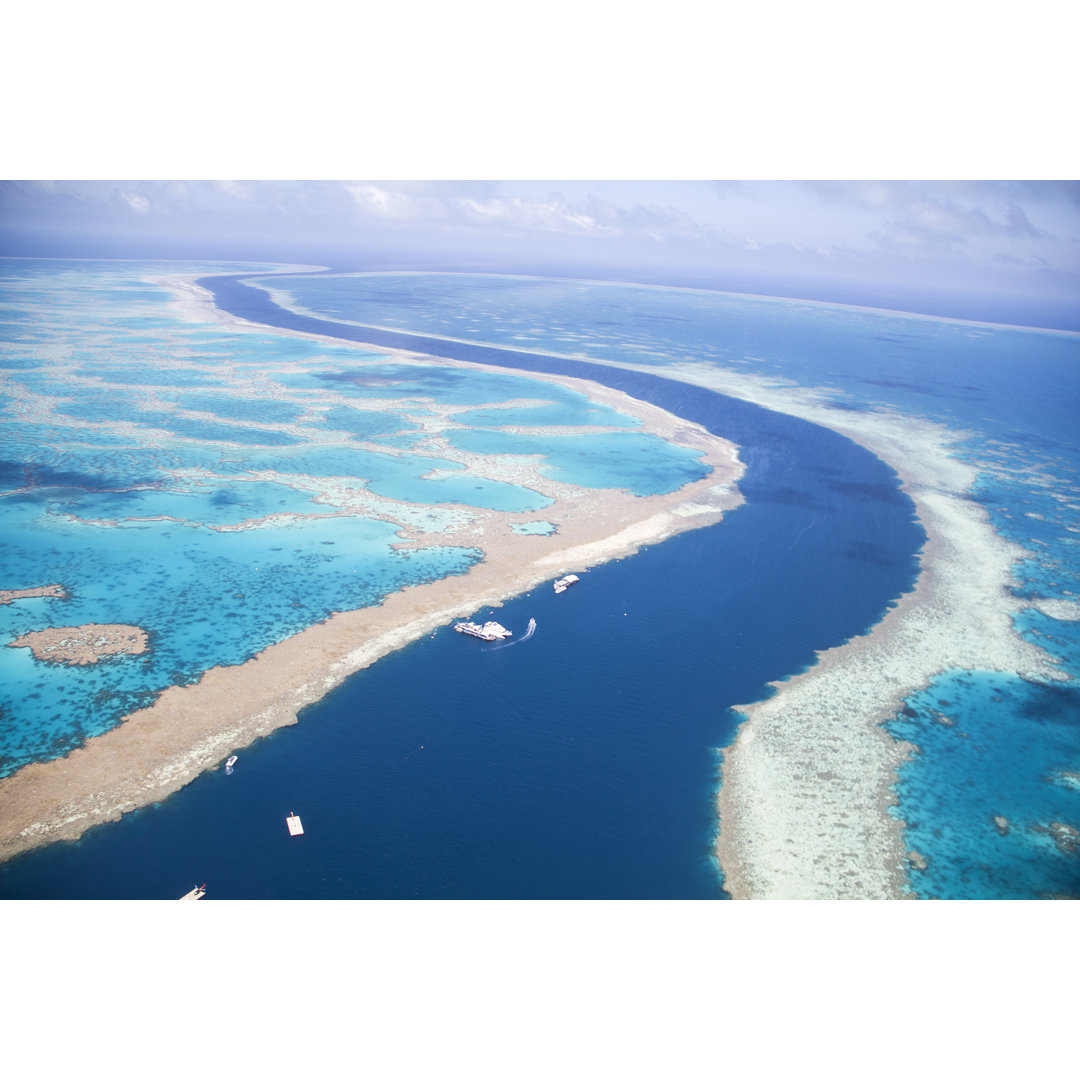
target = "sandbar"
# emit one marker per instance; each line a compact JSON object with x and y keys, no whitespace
{"x":188,"y":729}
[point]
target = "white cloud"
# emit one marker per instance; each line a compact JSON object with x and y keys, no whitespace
{"x":457,"y":207}
{"x":901,"y":228}
{"x":547,"y":215}
{"x":139,"y":203}
{"x":370,"y":197}
{"x":234,"y":188}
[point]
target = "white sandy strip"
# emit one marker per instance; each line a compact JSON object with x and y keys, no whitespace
{"x":806,"y":785}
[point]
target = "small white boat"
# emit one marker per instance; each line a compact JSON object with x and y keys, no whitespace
{"x":295,"y":828}
{"x":231,"y":762}
{"x":196,"y":894}
{"x":564,"y":583}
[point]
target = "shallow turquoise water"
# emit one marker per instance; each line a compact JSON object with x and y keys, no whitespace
{"x":366,"y":423}
{"x":534,"y":528}
{"x":231,"y":407}
{"x":989,"y":746}
{"x":643,"y":464}
{"x":222,"y":504}
{"x":133,"y":376}
{"x":206,"y":597}
{"x":562,"y":415}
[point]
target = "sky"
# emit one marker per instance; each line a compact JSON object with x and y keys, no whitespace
{"x":994,"y":250}
{"x":627,"y":116}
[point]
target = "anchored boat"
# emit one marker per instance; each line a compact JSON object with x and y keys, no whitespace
{"x":490,"y":631}
{"x":564,"y":583}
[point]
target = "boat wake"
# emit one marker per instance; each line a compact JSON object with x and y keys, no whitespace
{"x":524,"y":637}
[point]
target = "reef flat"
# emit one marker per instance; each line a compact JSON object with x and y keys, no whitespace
{"x":83,"y":644}
{"x":7,"y":595}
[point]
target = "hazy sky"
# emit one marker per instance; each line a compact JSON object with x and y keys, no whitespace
{"x":1018,"y":241}
{"x":775,"y":89}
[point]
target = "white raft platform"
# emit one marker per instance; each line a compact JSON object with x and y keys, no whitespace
{"x":295,"y":828}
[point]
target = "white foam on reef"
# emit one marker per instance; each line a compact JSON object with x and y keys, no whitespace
{"x":806,"y":789}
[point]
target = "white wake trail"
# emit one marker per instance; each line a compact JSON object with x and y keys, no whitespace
{"x":524,"y":637}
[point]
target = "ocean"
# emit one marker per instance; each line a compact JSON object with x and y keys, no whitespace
{"x":583,"y":762}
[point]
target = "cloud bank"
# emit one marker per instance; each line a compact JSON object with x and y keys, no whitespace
{"x":1001,"y":238}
